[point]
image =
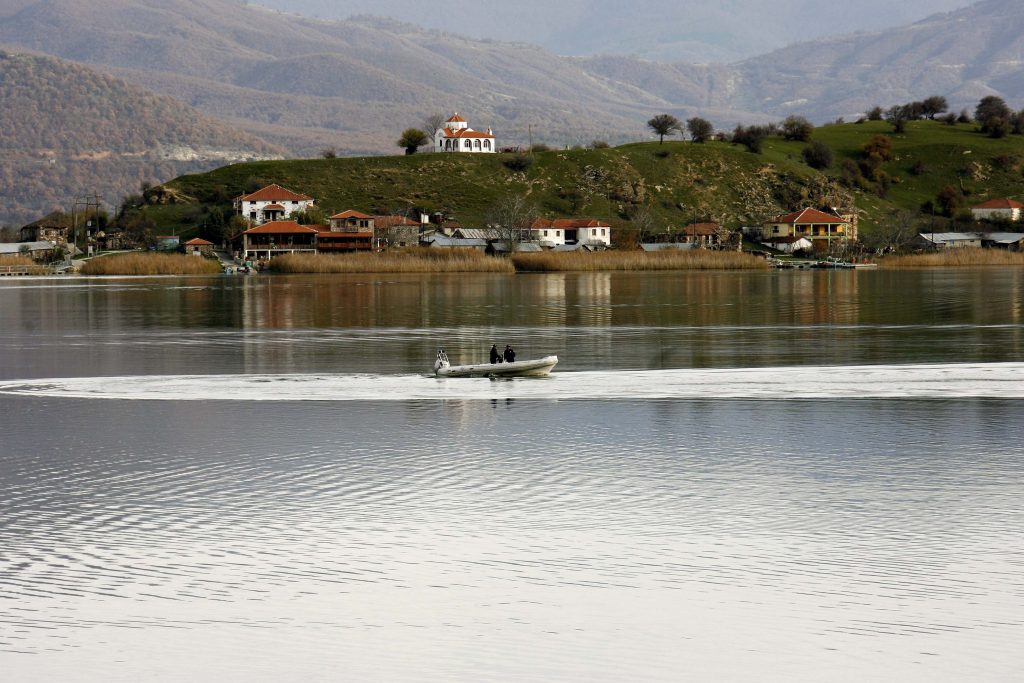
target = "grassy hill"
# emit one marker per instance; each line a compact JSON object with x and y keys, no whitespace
{"x":673,"y":183}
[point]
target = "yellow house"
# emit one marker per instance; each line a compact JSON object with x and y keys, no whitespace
{"x":822,"y":229}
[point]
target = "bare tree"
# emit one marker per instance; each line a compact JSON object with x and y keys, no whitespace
{"x":510,"y":218}
{"x":643,"y":222}
{"x":433,"y":123}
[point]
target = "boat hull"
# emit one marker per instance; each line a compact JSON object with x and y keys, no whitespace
{"x":539,"y":367}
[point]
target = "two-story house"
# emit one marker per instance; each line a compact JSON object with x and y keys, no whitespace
{"x":272,"y":203}
{"x":822,"y":230}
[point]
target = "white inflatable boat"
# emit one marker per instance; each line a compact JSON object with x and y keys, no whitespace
{"x":539,"y":367}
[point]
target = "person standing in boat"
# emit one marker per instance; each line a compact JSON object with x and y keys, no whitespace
{"x":510,"y":355}
{"x":495,"y":356}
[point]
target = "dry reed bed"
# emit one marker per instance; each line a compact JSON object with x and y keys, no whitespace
{"x":955,"y":258}
{"x":16,"y":261}
{"x":150,"y":264}
{"x":637,"y":260}
{"x":411,"y":261}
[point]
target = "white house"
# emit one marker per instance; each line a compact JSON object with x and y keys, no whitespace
{"x":561,"y":231}
{"x":1005,"y":209}
{"x":272,"y":203}
{"x":457,"y":136}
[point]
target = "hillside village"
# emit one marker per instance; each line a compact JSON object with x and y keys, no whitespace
{"x":606,"y":204}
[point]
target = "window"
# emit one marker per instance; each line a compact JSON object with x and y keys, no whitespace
{"x":469,"y":145}
{"x":545,"y":233}
{"x":602,"y":232}
{"x":487,"y":144}
{"x":476,"y":143}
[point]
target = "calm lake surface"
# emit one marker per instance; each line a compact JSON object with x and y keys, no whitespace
{"x":798,"y":476}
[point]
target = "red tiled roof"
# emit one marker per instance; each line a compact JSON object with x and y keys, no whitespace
{"x":808,"y":216}
{"x":273,"y":207}
{"x":393,"y":221}
{"x":273,"y":193}
{"x":348,"y":214}
{"x":701,"y":229}
{"x":197,"y":242}
{"x":465,"y":133}
{"x":540,"y":223}
{"x":280,"y":228}
{"x":578,"y":223}
{"x":1000,"y":204}
{"x":456,"y":118}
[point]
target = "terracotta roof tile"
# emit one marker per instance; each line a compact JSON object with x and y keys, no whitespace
{"x":197,"y":242}
{"x":1000,"y":204}
{"x":702,"y":229}
{"x":279,"y":228}
{"x":807,"y":217}
{"x":349,"y":214}
{"x":273,"y":193}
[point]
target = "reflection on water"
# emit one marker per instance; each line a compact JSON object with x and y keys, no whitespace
{"x":452,"y":540}
{"x":634,"y":517}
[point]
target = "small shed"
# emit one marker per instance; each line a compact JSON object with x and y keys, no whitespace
{"x":199,"y":247}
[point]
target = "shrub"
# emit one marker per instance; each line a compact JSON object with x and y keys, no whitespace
{"x":540,"y":147}
{"x":797,"y":129}
{"x":700,"y":129}
{"x":876,"y":114}
{"x":1005,"y":162}
{"x":518,"y":163}
{"x":600,"y":144}
{"x":918,"y":168}
{"x":662,"y":153}
{"x":751,"y":137}
{"x":879,"y":146}
{"x":949,"y":200}
{"x":818,"y":155}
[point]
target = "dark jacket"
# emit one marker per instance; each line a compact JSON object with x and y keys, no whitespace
{"x":495,"y":356}
{"x":510,"y":355}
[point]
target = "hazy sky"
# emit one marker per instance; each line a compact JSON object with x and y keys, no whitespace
{"x":690,"y":30}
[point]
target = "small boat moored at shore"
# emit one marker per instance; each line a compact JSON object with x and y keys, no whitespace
{"x":539,"y":367}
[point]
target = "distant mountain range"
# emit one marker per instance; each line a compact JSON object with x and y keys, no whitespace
{"x":693,"y":31}
{"x":304,"y":84}
{"x":67,"y":131}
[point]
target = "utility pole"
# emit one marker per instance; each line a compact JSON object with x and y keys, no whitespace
{"x":90,"y":206}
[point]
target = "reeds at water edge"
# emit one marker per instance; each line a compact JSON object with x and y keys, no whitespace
{"x":148,"y":263}
{"x":955,"y":258}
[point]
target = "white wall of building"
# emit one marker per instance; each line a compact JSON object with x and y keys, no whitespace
{"x":995,"y":214}
{"x":290,"y":208}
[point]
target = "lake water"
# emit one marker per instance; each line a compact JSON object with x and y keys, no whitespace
{"x":796,"y":476}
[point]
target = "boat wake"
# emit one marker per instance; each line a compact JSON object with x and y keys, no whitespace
{"x":988,"y":380}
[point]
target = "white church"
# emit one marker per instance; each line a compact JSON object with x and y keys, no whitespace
{"x":457,"y":136}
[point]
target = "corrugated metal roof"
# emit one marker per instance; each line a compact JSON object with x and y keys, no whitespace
{"x":15,"y":247}
{"x":662,"y":246}
{"x":445,"y":241}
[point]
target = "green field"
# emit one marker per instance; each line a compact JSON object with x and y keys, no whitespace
{"x":673,"y":183}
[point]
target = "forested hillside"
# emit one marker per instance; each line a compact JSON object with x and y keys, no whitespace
{"x":66,"y":131}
